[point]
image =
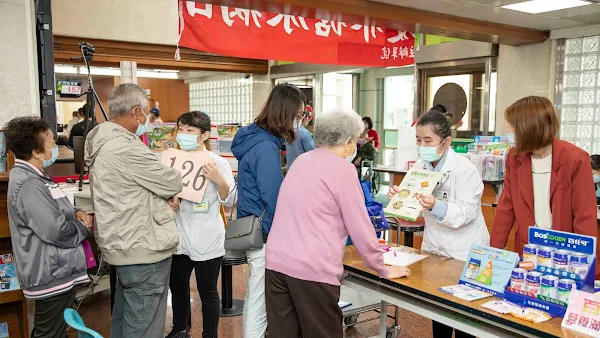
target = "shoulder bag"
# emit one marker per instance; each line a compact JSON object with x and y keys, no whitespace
{"x":244,"y":234}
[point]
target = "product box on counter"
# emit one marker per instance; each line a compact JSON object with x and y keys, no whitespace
{"x":554,"y":263}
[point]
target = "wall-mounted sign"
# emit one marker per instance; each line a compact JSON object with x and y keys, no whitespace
{"x":262,"y":35}
{"x":68,"y":88}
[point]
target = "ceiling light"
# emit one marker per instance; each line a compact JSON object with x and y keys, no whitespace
{"x":166,"y":71}
{"x":101,"y":71}
{"x":62,"y":69}
{"x":156,"y":75}
{"x":541,"y":6}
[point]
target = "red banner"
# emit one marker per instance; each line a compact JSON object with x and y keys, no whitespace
{"x":261,"y":35}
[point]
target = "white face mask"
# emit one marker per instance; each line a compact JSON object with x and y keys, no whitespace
{"x":351,"y":158}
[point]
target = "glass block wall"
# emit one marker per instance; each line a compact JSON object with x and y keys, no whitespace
{"x":227,"y":101}
{"x":580,"y":114}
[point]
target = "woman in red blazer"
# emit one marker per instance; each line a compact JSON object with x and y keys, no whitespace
{"x":562,"y":197}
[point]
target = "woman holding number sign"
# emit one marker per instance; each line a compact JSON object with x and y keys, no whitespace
{"x":202,"y":231}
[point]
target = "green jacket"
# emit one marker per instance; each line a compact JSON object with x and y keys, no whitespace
{"x":366,"y":152}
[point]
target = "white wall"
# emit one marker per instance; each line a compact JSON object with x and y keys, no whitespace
{"x":18,"y":61}
{"x":522,"y":71}
{"x":261,"y":88}
{"x":147,"y":21}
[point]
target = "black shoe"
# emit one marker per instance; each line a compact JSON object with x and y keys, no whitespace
{"x":178,"y":334}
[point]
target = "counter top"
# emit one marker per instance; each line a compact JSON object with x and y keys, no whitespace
{"x":434,"y":272}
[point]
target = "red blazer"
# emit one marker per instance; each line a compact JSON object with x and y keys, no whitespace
{"x":572,"y":196}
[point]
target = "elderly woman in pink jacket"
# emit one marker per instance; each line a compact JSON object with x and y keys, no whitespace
{"x":320,"y":203}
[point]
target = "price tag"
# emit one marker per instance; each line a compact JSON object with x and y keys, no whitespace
{"x":190,"y":165}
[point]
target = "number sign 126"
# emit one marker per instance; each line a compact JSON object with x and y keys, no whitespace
{"x":190,"y":165}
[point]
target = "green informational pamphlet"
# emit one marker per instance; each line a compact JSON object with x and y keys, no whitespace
{"x":416,"y":182}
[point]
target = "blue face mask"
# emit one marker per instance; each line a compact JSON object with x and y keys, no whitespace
{"x":429,"y":154}
{"x":596,"y":178}
{"x":47,"y":163}
{"x":511,"y":138}
{"x":187,"y":142}
{"x":142,"y":128}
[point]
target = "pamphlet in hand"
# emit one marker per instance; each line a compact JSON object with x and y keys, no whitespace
{"x":416,"y":183}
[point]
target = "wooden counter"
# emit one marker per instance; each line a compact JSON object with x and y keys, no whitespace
{"x":422,"y":288}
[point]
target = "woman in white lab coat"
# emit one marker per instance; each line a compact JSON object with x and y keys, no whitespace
{"x":453,"y":218}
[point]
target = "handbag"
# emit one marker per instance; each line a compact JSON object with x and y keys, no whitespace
{"x":90,"y":261}
{"x":244,"y":234}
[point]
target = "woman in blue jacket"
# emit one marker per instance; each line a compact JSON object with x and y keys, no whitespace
{"x":258,"y":150}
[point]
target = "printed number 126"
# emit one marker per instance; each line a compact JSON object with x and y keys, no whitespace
{"x":199,"y":175}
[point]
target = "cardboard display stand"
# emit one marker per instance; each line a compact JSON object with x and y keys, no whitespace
{"x":558,"y":240}
{"x":488,"y":269}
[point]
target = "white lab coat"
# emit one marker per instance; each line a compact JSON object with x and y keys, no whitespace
{"x":464,"y":224}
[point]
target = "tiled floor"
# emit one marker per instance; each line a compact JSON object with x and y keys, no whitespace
{"x":96,"y":314}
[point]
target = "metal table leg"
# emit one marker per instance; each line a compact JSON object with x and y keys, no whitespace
{"x":383,"y":319}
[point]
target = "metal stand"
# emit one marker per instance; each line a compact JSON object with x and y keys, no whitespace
{"x":230,"y":307}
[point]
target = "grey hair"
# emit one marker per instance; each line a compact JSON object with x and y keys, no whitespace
{"x":337,"y":126}
{"x":124,"y":98}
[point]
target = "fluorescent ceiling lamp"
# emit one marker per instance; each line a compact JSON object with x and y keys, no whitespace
{"x":166,"y":71}
{"x":62,"y":69}
{"x":101,"y":71}
{"x":156,"y":75}
{"x":541,"y":6}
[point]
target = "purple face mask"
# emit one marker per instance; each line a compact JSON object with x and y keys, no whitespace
{"x":361,"y":141}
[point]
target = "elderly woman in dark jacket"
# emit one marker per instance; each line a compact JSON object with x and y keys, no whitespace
{"x":46,"y":230}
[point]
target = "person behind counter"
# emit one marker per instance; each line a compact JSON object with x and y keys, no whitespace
{"x":595,"y":160}
{"x":319,"y":204}
{"x":364,"y":152}
{"x":257,"y":148}
{"x":547,"y":181}
{"x":303,"y":142}
{"x":155,"y":116}
{"x":46,"y":230}
{"x":79,"y":128}
{"x":201,"y":232}
{"x":73,"y":121}
{"x":453,"y":218}
{"x":135,"y":226}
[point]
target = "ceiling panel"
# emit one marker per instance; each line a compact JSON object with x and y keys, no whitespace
{"x":591,"y":19}
{"x":572,"y":12}
{"x":494,"y":3}
{"x":484,"y":10}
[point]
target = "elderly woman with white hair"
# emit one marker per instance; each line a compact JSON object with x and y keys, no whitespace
{"x":320,"y":203}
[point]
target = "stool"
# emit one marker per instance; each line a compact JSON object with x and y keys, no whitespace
{"x":408,"y":228}
{"x":230,"y":307}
